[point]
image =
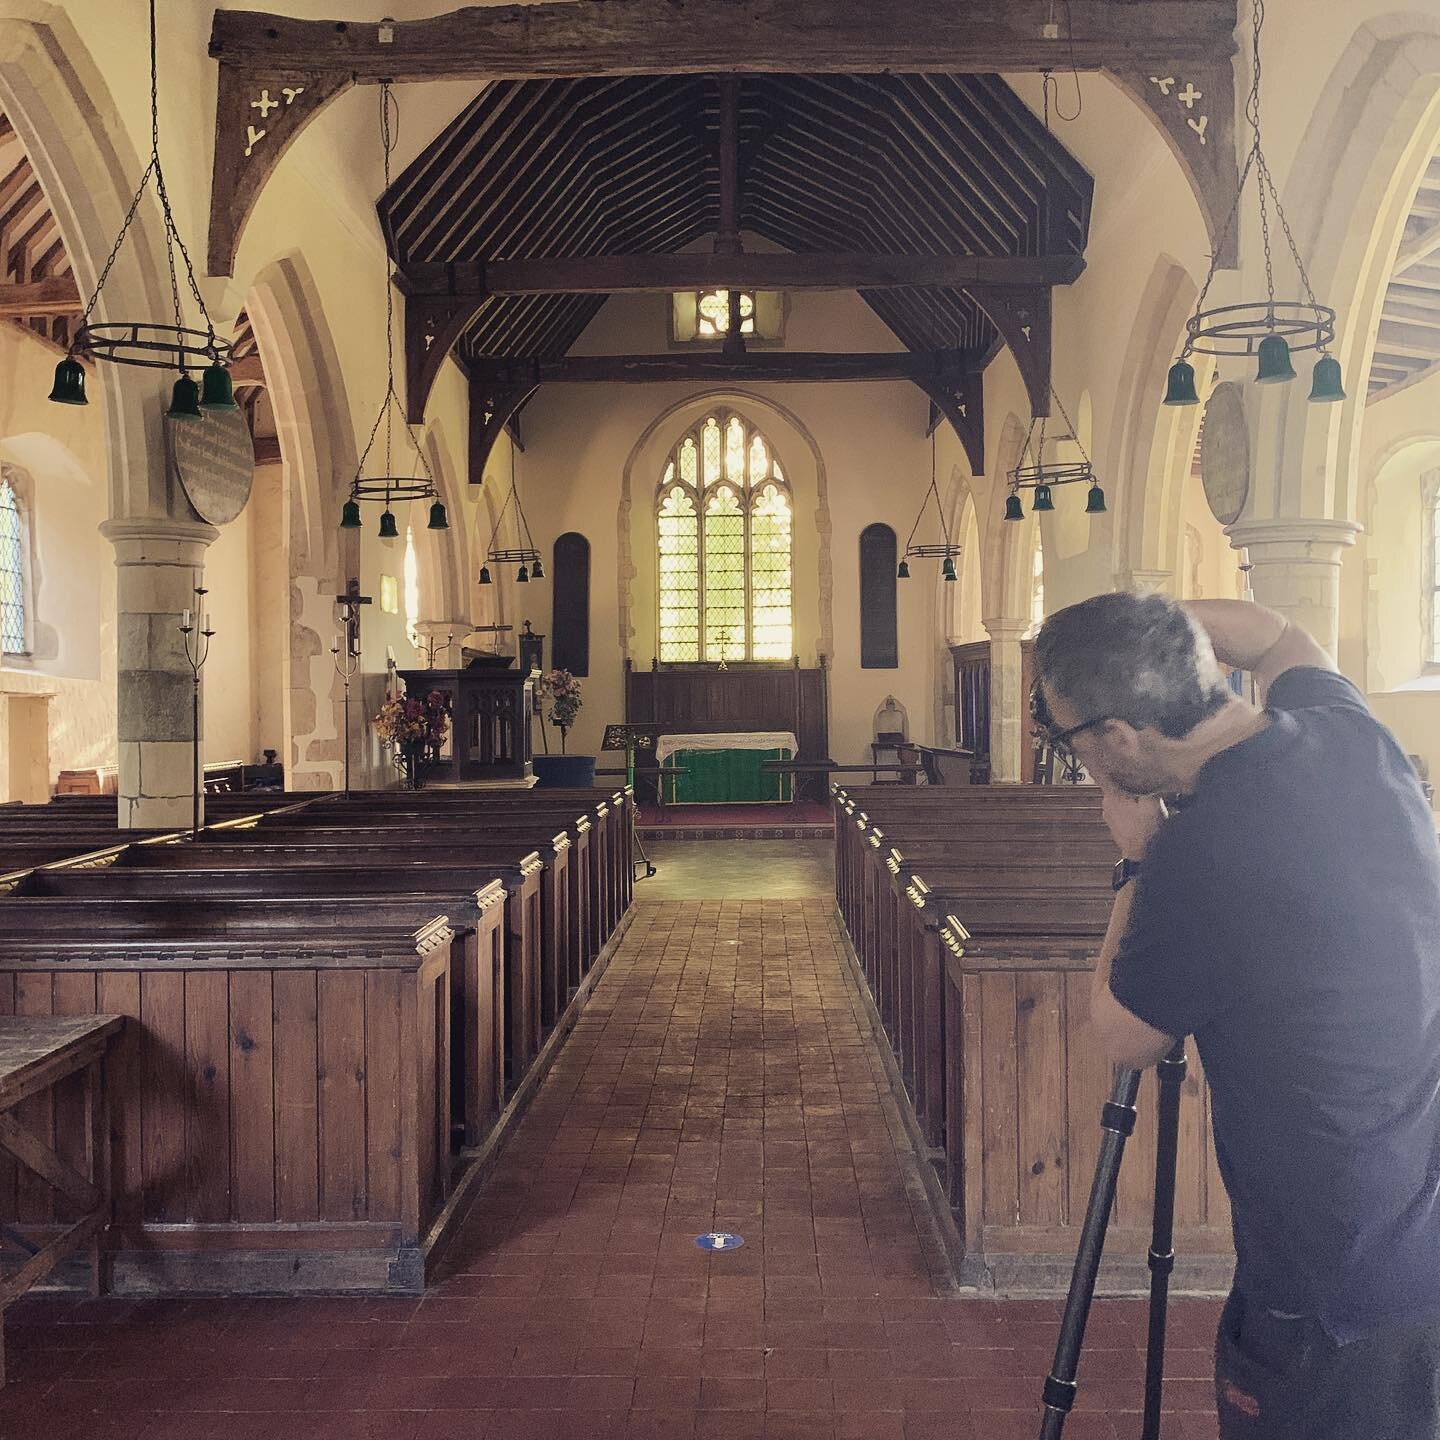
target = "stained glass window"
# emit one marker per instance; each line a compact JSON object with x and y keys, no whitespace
{"x":12,"y":572}
{"x":713,"y":312}
{"x":724,"y":530}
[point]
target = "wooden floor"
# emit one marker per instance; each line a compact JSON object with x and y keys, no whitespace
{"x":722,"y":1078}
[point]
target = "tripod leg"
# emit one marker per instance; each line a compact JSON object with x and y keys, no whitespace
{"x":1117,"y":1120}
{"x":1162,"y":1234}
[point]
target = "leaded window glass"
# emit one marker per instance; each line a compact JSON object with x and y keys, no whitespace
{"x":713,"y":314}
{"x":724,"y":533}
{"x":12,"y":572}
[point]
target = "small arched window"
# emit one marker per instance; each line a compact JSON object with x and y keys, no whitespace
{"x":879,"y":642}
{"x":570,"y":596}
{"x":14,"y":572}
{"x":723,"y":519}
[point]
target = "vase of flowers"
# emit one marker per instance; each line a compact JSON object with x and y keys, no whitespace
{"x":416,"y":729}
{"x":560,"y":701}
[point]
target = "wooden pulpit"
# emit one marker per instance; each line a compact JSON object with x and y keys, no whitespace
{"x":489,"y":722}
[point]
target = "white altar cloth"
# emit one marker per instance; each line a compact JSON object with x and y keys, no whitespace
{"x":668,"y":745}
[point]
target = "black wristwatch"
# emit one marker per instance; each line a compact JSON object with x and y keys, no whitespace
{"x":1125,"y":872}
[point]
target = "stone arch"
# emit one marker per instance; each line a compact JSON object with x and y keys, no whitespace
{"x":671,"y":422}
{"x":306,"y":388}
{"x":1375,"y":126}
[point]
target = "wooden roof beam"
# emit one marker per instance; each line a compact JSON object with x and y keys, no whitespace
{"x":715,"y":365}
{"x":57,"y":296}
{"x":277,"y":72}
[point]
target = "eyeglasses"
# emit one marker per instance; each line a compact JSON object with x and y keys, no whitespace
{"x":1060,"y":739}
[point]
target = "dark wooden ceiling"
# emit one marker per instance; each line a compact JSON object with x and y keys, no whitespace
{"x":878,"y":164}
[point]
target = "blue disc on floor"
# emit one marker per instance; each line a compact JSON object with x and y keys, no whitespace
{"x":719,"y":1240}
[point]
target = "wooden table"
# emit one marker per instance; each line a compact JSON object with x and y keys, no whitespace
{"x":37,"y":1052}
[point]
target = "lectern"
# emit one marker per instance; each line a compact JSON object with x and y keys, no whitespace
{"x":489,"y":721}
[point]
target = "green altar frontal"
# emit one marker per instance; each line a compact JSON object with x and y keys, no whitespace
{"x":726,"y":769}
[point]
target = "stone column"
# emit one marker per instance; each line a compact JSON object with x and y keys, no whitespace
{"x":159,"y":563}
{"x":1296,"y":569}
{"x":1009,"y":706}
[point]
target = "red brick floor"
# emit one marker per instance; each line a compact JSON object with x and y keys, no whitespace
{"x":720,"y":1079}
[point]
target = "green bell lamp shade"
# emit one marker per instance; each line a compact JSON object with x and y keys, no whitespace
{"x":523,"y":578}
{"x":388,"y":530}
{"x":184,"y":400}
{"x":902,"y":570}
{"x":485,"y":575}
{"x":216,"y":391}
{"x":1043,"y":500}
{"x":1095,"y":501}
{"x":438,"y":518}
{"x":1180,"y":386}
{"x":947,"y":570}
{"x":537,"y":571}
{"x":1274,"y":361}
{"x":1327,"y":386}
{"x":69,"y":388}
{"x":1012,"y":508}
{"x":350,"y":515}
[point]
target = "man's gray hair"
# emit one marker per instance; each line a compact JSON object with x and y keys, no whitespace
{"x":1137,"y":658}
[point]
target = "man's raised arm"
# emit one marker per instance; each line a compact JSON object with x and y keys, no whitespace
{"x":1250,"y":637}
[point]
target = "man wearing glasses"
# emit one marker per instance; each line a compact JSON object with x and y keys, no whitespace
{"x":1287,"y":914}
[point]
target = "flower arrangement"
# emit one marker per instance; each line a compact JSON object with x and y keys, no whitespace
{"x":405,"y":719}
{"x":562,"y":690}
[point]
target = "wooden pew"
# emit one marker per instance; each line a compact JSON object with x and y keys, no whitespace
{"x":476,"y":918}
{"x":947,"y":905}
{"x":282,"y":1106}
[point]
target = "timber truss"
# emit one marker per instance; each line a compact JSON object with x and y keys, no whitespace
{"x":614,"y":135}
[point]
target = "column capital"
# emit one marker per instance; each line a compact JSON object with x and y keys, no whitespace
{"x":1002,"y":628}
{"x":152,"y":540}
{"x":1295,"y":537}
{"x":1144,"y":580}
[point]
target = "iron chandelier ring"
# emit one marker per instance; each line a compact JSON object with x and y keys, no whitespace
{"x":153,"y":347}
{"x":932,"y":552}
{"x":1240,"y":329}
{"x":1028,"y":477}
{"x":389,"y":488}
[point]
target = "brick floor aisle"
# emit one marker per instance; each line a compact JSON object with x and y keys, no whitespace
{"x":722,"y":1078}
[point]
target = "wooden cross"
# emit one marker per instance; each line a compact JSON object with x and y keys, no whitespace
{"x":350,"y":602}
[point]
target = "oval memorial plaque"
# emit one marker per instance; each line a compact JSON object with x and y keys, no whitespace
{"x":1225,"y":453}
{"x":214,"y":461}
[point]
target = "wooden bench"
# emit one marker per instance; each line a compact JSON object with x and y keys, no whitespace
{"x":282,"y":1101}
{"x":58,"y":1063}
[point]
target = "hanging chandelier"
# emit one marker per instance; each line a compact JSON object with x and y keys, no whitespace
{"x":526,"y":556}
{"x":1032,"y":473}
{"x":1268,"y":330}
{"x":144,"y":343}
{"x":946,"y":552}
{"x":390,"y":488}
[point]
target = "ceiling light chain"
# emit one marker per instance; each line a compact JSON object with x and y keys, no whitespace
{"x":389,"y":486}
{"x":1041,"y":477}
{"x":1271,"y":330}
{"x":144,"y":343}
{"x":526,"y":555}
{"x":947,"y":552}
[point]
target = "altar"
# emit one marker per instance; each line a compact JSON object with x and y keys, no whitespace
{"x":725,"y":767}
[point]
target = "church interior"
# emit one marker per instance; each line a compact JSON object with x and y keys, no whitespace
{"x":535,"y":899}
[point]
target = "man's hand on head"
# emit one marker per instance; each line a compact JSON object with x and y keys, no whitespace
{"x":1133,"y":821}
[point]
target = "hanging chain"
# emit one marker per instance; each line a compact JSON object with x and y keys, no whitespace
{"x":173,"y":242}
{"x":1074,"y":433}
{"x":392,"y":396}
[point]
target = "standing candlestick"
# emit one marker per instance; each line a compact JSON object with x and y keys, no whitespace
{"x":197,"y":652}
{"x":347,"y":663}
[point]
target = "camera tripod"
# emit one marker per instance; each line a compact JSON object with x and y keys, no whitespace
{"x":1117,"y":1120}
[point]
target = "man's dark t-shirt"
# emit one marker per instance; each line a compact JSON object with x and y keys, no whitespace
{"x":1289,"y":918}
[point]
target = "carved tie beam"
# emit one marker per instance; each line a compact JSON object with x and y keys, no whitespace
{"x":276,"y":73}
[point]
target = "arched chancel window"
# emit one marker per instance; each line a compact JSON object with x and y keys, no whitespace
{"x":723,"y":539}
{"x":14,"y":599}
{"x":570,"y":600}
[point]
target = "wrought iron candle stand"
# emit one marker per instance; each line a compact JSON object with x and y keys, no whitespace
{"x":347,"y":664}
{"x":431,"y":645}
{"x":196,"y":623}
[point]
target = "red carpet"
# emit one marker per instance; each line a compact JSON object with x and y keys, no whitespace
{"x":733,"y":817}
